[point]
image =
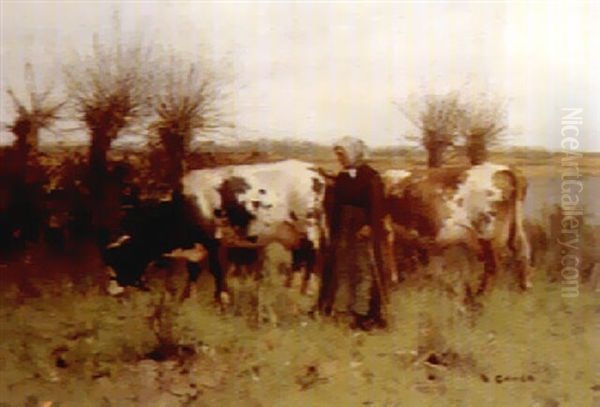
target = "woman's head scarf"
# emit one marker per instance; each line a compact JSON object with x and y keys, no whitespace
{"x":354,"y":148}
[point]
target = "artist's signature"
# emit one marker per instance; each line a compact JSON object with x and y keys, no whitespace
{"x":505,"y":378}
{"x":523,"y":378}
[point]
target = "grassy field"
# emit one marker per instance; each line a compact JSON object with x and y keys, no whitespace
{"x":66,"y":342}
{"x":70,"y":343}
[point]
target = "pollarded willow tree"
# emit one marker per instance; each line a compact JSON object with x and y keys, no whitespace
{"x":111,"y":89}
{"x":23,"y":179}
{"x":40,"y":112}
{"x":439,"y":119}
{"x":484,"y":126}
{"x":190,"y":100}
{"x":445,"y":121}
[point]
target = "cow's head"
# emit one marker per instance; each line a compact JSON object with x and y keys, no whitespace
{"x":247,"y":211}
{"x":126,"y":264}
{"x":267,"y":211}
{"x":394,"y":181}
{"x":234,"y":210}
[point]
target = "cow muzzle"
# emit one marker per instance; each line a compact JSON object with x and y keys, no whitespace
{"x":113,"y":288}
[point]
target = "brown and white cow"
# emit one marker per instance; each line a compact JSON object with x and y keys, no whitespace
{"x":480,"y":208}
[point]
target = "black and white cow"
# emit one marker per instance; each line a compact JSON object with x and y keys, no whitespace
{"x":230,"y":211}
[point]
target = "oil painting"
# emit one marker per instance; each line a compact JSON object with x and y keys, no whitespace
{"x":255,"y":203}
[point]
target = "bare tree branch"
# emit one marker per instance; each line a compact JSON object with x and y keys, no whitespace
{"x":444,"y":120}
{"x":485,"y":125}
{"x":439,"y":119}
{"x":111,"y":86}
{"x":189,"y":101}
{"x":111,"y":89}
{"x":39,"y":113}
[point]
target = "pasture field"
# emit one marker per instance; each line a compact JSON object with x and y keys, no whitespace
{"x":66,"y":342}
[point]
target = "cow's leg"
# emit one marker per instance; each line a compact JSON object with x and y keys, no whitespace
{"x":131,"y":277}
{"x":490,"y":264}
{"x":318,"y":265}
{"x":521,"y":251}
{"x":268,"y":268}
{"x":297,"y":259}
{"x":327,"y":288}
{"x":389,"y":253}
{"x":436,"y":266}
{"x":296,"y":267}
{"x":309,"y":254}
{"x":242,"y":290}
{"x":170,"y":269}
{"x":518,"y":241}
{"x":415,"y":250}
{"x":216,"y":263}
{"x":267,"y":286}
{"x":191,"y":290}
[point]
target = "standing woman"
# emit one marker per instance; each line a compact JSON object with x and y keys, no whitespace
{"x":353,"y":281}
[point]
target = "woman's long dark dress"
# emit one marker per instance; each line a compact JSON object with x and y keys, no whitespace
{"x":353,"y":279}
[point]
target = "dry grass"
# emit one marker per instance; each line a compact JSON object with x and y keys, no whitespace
{"x":518,"y":349}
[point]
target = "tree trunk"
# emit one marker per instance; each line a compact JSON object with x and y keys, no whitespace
{"x":477,"y":152}
{"x":27,"y":192}
{"x":23,"y":150}
{"x":98,"y":152}
{"x":434,"y":155}
{"x":436,"y":145}
{"x":174,"y":146}
{"x":101,"y":200}
{"x":26,"y":145}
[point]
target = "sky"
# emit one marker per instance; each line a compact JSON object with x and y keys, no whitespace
{"x":319,"y":71}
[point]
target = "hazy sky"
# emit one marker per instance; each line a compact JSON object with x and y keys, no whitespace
{"x":319,"y":71}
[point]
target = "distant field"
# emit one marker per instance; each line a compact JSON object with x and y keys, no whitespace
{"x":533,"y":161}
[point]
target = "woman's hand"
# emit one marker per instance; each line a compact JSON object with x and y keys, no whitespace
{"x":364,"y":232}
